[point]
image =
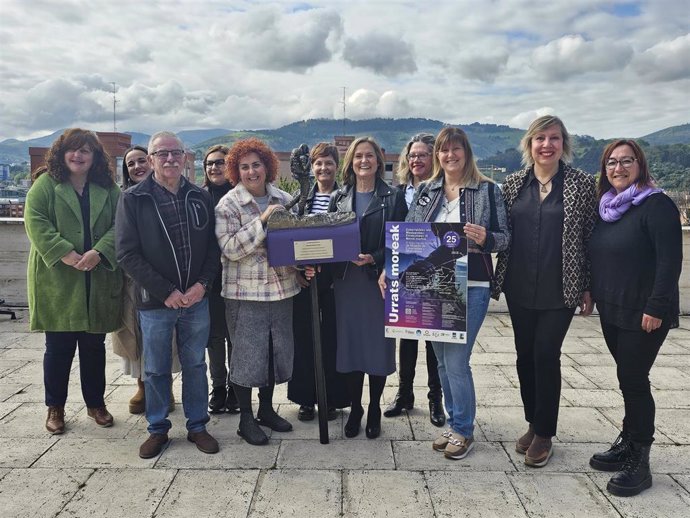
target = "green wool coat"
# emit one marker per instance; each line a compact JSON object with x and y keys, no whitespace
{"x":57,"y":292}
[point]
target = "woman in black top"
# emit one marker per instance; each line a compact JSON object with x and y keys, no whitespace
{"x":544,"y":272}
{"x":636,"y":254}
{"x":222,"y":395}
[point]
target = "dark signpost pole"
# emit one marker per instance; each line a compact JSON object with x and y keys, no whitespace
{"x":319,"y":376}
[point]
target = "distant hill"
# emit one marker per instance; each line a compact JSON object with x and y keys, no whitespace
{"x":673,"y":135}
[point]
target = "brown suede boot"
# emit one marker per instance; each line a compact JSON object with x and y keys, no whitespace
{"x":524,"y":442}
{"x":539,"y":452}
{"x":137,"y":405}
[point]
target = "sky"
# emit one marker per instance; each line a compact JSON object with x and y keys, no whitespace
{"x":607,"y":68}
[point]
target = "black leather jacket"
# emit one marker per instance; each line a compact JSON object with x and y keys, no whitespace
{"x":146,"y":253}
{"x":388,"y":204}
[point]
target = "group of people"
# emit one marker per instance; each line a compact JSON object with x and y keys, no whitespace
{"x":174,"y":270}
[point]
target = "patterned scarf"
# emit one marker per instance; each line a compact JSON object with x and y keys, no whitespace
{"x":612,"y":206}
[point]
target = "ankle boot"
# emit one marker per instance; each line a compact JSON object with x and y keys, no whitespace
{"x":373,"y":428}
{"x":267,"y":416}
{"x":250,"y":431}
{"x":216,"y":404}
{"x":635,"y":476}
{"x":404,"y":400}
{"x":354,"y":422}
{"x":614,"y":458}
{"x":436,"y":414}
{"x":231,"y":404}
{"x":137,"y":405}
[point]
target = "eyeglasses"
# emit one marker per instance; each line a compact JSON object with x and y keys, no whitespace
{"x":418,"y":156}
{"x":218,"y":163}
{"x":163,"y":153}
{"x":626,"y":162}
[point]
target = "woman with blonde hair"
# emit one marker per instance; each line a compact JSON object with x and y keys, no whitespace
{"x":545,"y":272}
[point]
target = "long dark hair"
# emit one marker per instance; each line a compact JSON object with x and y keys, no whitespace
{"x":101,"y":171}
{"x":126,"y":179}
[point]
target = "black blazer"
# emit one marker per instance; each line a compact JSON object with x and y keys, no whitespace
{"x":388,"y":204}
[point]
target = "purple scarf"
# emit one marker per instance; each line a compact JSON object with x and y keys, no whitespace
{"x":612,"y":206}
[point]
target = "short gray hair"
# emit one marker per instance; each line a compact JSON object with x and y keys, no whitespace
{"x":161,"y":134}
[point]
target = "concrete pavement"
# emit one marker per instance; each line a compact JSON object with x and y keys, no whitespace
{"x":93,"y":472}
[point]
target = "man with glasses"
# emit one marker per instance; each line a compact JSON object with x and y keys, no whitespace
{"x":165,"y":231}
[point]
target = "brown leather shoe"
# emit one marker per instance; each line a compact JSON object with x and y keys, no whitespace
{"x":539,"y":452}
{"x":153,"y":445}
{"x":55,"y":423}
{"x":204,"y":442}
{"x":523,"y":443}
{"x":137,"y":405}
{"x":101,"y":416}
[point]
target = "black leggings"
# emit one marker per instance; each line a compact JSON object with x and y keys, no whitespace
{"x":634,"y":353}
{"x":244,"y":394}
{"x":355,"y":385}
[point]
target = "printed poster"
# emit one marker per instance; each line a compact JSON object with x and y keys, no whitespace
{"x":426,"y":281}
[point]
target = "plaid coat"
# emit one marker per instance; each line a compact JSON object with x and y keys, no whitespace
{"x":242,"y":240}
{"x":580,"y":212}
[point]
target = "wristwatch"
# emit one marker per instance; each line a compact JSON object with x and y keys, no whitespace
{"x":204,"y":283}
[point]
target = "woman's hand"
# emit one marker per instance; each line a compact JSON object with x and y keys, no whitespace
{"x":270,"y":210}
{"x":586,"y":304}
{"x":382,"y":284}
{"x":364,"y":259}
{"x":88,"y":261}
{"x":71,"y":259}
{"x":650,"y":323}
{"x":476,"y":233}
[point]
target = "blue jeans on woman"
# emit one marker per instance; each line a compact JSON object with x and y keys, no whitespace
{"x":454,"y":366}
{"x":192,"y":328}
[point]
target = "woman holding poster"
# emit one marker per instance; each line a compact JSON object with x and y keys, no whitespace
{"x":458,"y":192}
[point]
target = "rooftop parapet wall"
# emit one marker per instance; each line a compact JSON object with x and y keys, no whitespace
{"x":14,"y":254}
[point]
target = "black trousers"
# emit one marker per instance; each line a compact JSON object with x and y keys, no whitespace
{"x":218,"y":342}
{"x":408,"y":360}
{"x":634,"y":353}
{"x":539,"y":336}
{"x":57,"y":363}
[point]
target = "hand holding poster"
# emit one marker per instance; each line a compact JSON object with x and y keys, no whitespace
{"x":426,"y":281}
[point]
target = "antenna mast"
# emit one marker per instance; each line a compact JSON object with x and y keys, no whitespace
{"x":344,"y":103}
{"x":114,"y":103}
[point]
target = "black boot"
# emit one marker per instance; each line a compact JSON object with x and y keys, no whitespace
{"x":354,"y":422}
{"x":216,"y":404}
{"x":373,"y":429}
{"x":231,"y":403}
{"x":614,"y":458}
{"x":436,"y":414}
{"x":635,"y":476}
{"x":250,"y":431}
{"x":404,"y":400}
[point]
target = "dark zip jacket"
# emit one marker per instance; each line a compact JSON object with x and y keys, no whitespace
{"x":146,"y":253}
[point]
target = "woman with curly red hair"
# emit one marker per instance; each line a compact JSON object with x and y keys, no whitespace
{"x":258,"y":297}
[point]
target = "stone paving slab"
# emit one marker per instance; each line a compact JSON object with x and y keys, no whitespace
{"x":23,"y":453}
{"x":297,"y":493}
{"x":683,"y":480}
{"x":386,"y":493}
{"x":419,"y":456}
{"x":665,"y":499}
{"x":20,"y":497}
{"x":120,"y":493}
{"x":73,"y":452}
{"x":7,"y":408}
{"x":342,"y":454}
{"x":596,"y":398}
{"x":545,"y":495}
{"x":195,"y":493}
{"x":567,"y":457}
{"x":672,"y":398}
{"x":615,"y":416}
{"x":182,"y":454}
{"x":28,"y":419}
{"x":669,"y":378}
{"x":7,"y":390}
{"x":484,"y":495}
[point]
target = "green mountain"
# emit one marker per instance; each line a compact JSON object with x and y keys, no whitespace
{"x":673,"y":135}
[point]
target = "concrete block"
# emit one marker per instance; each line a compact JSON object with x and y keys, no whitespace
{"x":282,"y":493}
{"x":122,"y":493}
{"x":565,"y":495}
{"x":386,"y":493}
{"x":40,"y":492}
{"x":484,"y":494}
{"x":209,"y":493}
{"x":341,"y":454}
{"x":419,"y":455}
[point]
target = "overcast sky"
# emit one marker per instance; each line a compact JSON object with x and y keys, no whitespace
{"x":607,"y":68}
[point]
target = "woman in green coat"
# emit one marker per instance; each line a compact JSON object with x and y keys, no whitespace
{"x":73,"y":282}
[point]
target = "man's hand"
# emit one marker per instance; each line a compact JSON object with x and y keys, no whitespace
{"x":193,"y":295}
{"x":175,"y":300}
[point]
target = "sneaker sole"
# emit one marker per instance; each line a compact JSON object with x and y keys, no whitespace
{"x":629,"y":491}
{"x":440,"y":449}
{"x":539,"y":464}
{"x":254,"y":443}
{"x":458,"y":456}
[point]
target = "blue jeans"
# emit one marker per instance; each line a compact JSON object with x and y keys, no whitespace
{"x":454,"y":366}
{"x":192,"y":328}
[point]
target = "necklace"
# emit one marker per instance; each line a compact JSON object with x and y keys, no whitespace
{"x":544,"y":184}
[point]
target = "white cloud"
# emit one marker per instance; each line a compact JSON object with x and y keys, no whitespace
{"x":384,"y":54}
{"x":665,"y":61}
